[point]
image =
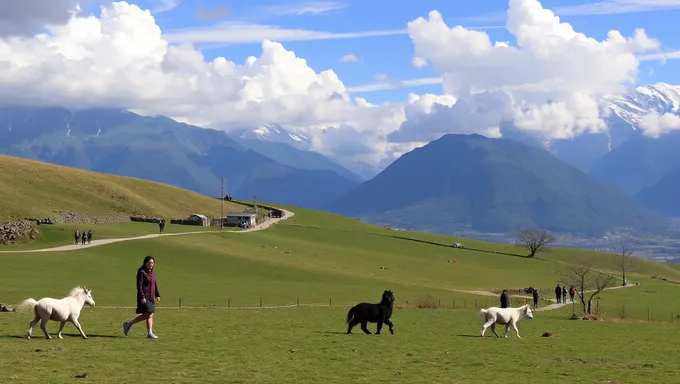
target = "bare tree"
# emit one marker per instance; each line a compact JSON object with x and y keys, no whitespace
{"x":535,"y":240}
{"x":625,"y":257}
{"x":587,"y":280}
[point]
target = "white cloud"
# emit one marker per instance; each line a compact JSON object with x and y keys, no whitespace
{"x":612,"y":7}
{"x":385,"y":83}
{"x":654,"y":124}
{"x":229,"y":33}
{"x":349,"y":58}
{"x":307,"y":8}
{"x":121,"y":60}
{"x":240,"y":33}
{"x":547,"y":84}
{"x":165,"y":5}
{"x":662,"y":56}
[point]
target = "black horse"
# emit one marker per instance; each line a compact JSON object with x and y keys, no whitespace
{"x":365,"y":313}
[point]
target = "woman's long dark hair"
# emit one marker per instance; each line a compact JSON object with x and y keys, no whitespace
{"x":146,"y":260}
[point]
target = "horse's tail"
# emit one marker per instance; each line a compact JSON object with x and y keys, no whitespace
{"x":482,"y":314}
{"x":350,"y":315}
{"x":27,"y":305}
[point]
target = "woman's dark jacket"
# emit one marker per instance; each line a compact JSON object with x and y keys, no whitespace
{"x":144,"y":285}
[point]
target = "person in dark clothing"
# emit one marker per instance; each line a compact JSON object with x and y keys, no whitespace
{"x":558,"y":293}
{"x":505,"y":302}
{"x":535,"y":298}
{"x":161,"y":225}
{"x":564,"y":294}
{"x":147,"y":297}
{"x":84,"y":237}
{"x":76,"y":235}
{"x":89,"y":236}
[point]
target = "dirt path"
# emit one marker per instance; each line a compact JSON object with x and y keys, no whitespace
{"x":555,"y":304}
{"x":73,"y":247}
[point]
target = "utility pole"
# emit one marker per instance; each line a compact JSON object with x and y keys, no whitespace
{"x":222,"y":208}
{"x":255,"y":198}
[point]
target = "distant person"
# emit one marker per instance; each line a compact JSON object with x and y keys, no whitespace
{"x":84,"y":238}
{"x":564,"y":294}
{"x":535,"y":294}
{"x":558,"y":293}
{"x":161,"y":226}
{"x":572,"y":292}
{"x":76,"y":235}
{"x":89,"y":236}
{"x":505,"y":301}
{"x":147,"y":297}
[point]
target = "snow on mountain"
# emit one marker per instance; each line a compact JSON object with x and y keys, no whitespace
{"x":632,"y":106}
{"x":277,"y":134}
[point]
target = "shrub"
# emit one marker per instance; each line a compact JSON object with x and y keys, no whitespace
{"x":426,"y":301}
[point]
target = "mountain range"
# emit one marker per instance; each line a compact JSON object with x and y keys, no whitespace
{"x":161,"y":149}
{"x":588,"y":186}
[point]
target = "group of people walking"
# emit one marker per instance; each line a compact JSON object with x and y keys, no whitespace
{"x":560,"y":295}
{"x":84,"y":238}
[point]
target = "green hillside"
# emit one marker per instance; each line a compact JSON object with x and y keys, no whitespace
{"x":326,"y":263}
{"x":35,"y":189}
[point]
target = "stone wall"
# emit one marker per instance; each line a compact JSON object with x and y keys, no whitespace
{"x":18,"y":230}
{"x":72,"y":217}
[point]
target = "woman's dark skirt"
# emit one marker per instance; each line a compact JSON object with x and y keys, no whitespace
{"x":148,"y":307}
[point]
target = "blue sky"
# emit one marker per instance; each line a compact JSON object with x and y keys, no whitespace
{"x":391,"y":54}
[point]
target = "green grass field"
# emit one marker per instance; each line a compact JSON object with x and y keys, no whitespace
{"x":326,"y":263}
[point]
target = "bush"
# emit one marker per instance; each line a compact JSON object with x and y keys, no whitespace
{"x":426,"y":301}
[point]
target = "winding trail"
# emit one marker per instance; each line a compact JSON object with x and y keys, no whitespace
{"x":95,"y":243}
{"x":549,"y":307}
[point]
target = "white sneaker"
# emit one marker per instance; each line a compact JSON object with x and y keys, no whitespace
{"x":151,"y":336}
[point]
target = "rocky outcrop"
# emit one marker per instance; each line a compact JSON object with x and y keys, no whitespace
{"x":18,"y":230}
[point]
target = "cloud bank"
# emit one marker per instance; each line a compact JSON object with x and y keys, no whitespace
{"x":547,"y":85}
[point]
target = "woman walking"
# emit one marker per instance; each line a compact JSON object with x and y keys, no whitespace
{"x":147,"y":296}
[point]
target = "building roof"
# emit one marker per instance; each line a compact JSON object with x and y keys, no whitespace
{"x":240,"y":214}
{"x":199,"y":215}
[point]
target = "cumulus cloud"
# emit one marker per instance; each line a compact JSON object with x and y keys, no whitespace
{"x":547,"y":84}
{"x":120,"y":59}
{"x":654,"y":124}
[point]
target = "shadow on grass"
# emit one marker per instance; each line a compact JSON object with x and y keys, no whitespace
{"x":476,"y":336}
{"x":333,"y":333}
{"x":54,"y":336}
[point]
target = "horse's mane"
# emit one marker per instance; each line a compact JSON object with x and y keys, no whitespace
{"x":77,"y":291}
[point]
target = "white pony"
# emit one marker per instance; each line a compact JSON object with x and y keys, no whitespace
{"x":504,"y":316}
{"x":62,"y":310}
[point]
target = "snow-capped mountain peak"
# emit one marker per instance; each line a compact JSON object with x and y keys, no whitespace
{"x":275,"y":133}
{"x":632,"y":106}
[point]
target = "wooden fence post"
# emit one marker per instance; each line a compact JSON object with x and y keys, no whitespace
{"x":179,"y":303}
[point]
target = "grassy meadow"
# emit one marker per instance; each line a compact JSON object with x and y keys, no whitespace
{"x":239,"y":320}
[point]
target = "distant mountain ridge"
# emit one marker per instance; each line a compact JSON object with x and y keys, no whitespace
{"x":160,"y":149}
{"x":492,"y":185}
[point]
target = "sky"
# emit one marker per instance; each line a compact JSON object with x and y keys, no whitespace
{"x":363,"y":79}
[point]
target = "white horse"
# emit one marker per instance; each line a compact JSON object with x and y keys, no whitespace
{"x":62,"y":310}
{"x":504,"y":316}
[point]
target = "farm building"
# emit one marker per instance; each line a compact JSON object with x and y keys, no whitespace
{"x":200,"y":218}
{"x":241,"y":219}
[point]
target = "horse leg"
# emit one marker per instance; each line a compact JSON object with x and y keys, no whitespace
{"x":43,"y":323}
{"x":79,"y":328}
{"x":351,"y":325}
{"x":507,"y":328}
{"x":61,"y":328}
{"x":487,"y":325}
{"x":380,"y":324}
{"x":363,"y":327}
{"x":389,"y":324}
{"x":514,"y":325}
{"x":31,"y":325}
{"x":493,"y":329}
